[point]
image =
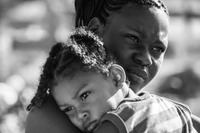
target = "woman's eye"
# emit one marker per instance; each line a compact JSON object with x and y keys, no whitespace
{"x":132,"y":38}
{"x":68,"y":109}
{"x":84,"y":95}
{"x":159,"y":49}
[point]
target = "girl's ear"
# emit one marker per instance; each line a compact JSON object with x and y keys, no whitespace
{"x":96,"y":26}
{"x":118,"y":75}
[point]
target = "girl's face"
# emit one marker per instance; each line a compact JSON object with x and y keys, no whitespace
{"x":138,"y":38}
{"x":84,"y":98}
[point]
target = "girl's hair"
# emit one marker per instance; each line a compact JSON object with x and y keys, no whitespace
{"x":83,"y":51}
{"x":88,"y":9}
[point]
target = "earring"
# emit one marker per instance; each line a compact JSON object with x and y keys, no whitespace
{"x":48,"y":91}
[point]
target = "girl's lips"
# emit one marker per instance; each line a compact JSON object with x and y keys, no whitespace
{"x":91,"y":126}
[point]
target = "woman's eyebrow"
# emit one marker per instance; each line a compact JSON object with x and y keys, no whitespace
{"x":136,"y":29}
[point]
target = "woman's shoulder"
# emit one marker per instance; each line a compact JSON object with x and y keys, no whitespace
{"x":49,"y":119}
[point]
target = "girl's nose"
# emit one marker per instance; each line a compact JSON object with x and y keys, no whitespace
{"x":83,"y":115}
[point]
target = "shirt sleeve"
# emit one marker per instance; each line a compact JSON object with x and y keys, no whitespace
{"x":116,"y":120}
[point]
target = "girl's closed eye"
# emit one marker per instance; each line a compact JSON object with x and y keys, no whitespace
{"x":84,"y":95}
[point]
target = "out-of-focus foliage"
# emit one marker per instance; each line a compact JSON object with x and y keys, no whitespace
{"x":28,"y":28}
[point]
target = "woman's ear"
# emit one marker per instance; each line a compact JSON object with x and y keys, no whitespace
{"x":96,"y":26}
{"x":118,"y":75}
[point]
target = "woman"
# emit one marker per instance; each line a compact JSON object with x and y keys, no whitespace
{"x":134,"y":31}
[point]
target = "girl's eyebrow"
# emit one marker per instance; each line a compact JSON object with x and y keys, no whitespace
{"x":78,"y":91}
{"x":62,"y":105}
{"x":76,"y":94}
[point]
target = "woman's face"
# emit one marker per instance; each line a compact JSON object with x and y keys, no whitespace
{"x":138,"y":38}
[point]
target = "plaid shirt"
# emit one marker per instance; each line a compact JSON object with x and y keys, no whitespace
{"x":149,"y":113}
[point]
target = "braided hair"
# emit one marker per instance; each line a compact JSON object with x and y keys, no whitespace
{"x":83,"y":51}
{"x":88,"y":9}
{"x":46,"y":76}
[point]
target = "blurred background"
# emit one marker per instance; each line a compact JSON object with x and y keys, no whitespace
{"x":28,"y":28}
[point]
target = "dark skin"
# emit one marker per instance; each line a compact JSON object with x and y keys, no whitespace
{"x":138,"y":38}
{"x":139,"y":50}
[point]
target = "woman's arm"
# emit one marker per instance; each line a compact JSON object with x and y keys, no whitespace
{"x":196,"y":123}
{"x":49,"y":119}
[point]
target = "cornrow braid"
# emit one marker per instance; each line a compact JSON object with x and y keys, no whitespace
{"x":155,"y":3}
{"x":88,"y":9}
{"x":46,"y":78}
{"x":84,"y":14}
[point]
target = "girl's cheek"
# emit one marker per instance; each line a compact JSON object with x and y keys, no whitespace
{"x":76,"y":122}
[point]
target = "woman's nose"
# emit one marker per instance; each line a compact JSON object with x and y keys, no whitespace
{"x":144,"y":58}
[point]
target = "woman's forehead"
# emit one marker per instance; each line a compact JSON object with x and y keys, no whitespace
{"x":135,"y":15}
{"x":158,"y":4}
{"x":137,"y":8}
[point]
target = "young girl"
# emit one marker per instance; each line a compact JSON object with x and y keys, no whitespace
{"x":90,"y":88}
{"x":134,"y":31}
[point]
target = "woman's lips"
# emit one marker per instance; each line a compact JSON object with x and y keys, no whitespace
{"x":137,"y":72}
